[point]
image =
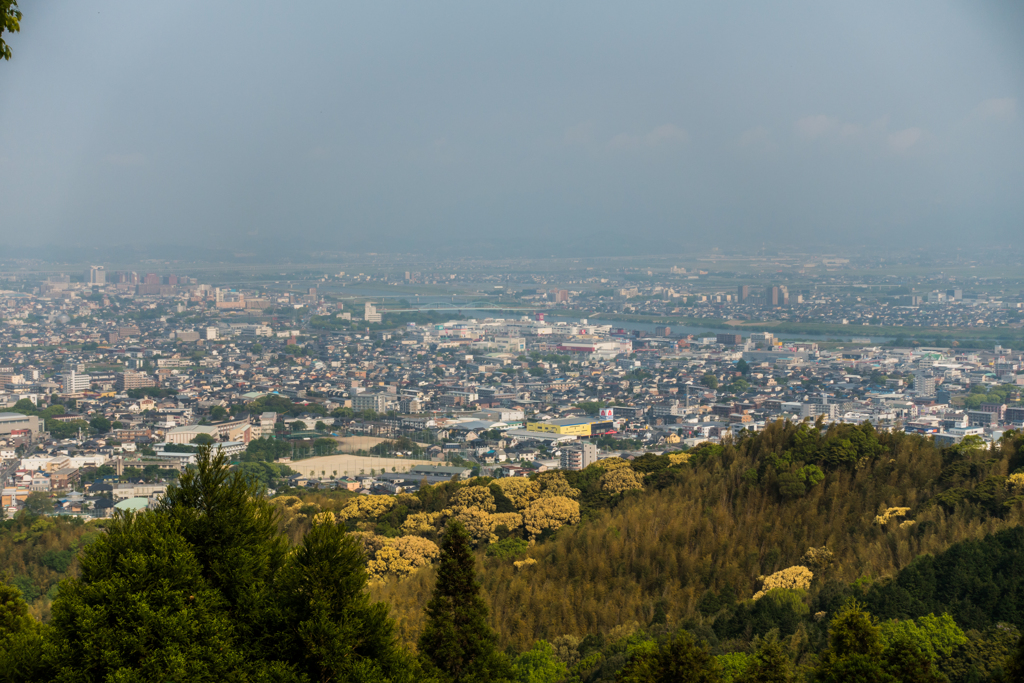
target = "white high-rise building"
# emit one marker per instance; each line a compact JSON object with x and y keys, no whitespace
{"x":97,"y":275}
{"x":370,"y":313}
{"x":73,"y":383}
{"x":72,"y":377}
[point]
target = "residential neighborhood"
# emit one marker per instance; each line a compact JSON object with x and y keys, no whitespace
{"x":112,"y":383}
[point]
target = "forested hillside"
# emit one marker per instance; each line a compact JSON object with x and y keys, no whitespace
{"x":796,"y":554}
{"x":734,"y":513}
{"x":37,"y":552}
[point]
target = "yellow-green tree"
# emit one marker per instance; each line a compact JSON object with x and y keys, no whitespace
{"x":10,"y":21}
{"x":550,"y":513}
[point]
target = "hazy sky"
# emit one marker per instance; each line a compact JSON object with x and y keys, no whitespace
{"x":518,"y":127}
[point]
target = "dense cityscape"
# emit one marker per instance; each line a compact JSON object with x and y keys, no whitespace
{"x":113,"y":370}
{"x":512,"y":342}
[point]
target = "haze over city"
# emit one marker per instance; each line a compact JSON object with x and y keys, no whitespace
{"x":523,"y":128}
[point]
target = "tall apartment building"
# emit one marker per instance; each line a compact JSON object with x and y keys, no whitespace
{"x":375,"y":402}
{"x":72,"y":380}
{"x":829,"y":410}
{"x":73,"y":383}
{"x":97,"y":275}
{"x":579,"y":460}
{"x":924,"y":384}
{"x":132,"y":380}
{"x":742,"y":293}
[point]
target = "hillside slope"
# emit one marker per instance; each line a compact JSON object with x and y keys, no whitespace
{"x":734,"y":513}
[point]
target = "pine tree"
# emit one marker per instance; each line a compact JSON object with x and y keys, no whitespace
{"x":331,"y":631}
{"x":457,"y":640}
{"x":233,"y":529}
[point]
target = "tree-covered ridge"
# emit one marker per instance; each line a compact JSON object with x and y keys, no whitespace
{"x":38,"y":552}
{"x":591,"y":574}
{"x":715,"y":524}
{"x":926,"y":624}
{"x":979,"y":582}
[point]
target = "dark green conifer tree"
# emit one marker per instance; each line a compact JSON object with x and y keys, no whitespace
{"x":457,"y":641}
{"x":204,"y":589}
{"x":141,"y":610}
{"x":330,"y":630}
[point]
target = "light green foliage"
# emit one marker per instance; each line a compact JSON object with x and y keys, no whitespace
{"x":936,"y":636}
{"x":857,"y":652}
{"x":38,"y":503}
{"x":854,"y":648}
{"x":538,"y":665}
{"x":265,"y":473}
{"x":13,"y":613}
{"x":967,"y":446}
{"x":854,"y":631}
{"x":732,"y":665}
{"x":798,"y":482}
{"x":508,"y":549}
{"x":67,"y":430}
{"x":738,"y":386}
{"x":100,"y":423}
{"x":264,"y":449}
